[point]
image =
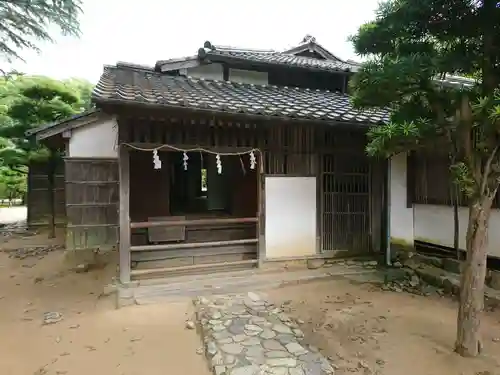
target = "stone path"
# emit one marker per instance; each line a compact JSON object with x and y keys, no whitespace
{"x":244,"y":334}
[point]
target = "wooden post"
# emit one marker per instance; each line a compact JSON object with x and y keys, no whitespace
{"x":317,"y":158}
{"x":124,"y":171}
{"x":261,"y":246}
{"x":51,"y":198}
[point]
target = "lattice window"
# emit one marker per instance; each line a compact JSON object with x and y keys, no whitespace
{"x":430,"y":181}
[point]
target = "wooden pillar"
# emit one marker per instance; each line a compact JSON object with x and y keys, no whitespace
{"x":317,"y":160}
{"x":261,"y":245}
{"x":124,"y":172}
{"x":52,"y":163}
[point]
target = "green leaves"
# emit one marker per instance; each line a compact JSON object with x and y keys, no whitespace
{"x":12,"y":182}
{"x":413,"y":48}
{"x":393,"y":138}
{"x":31,"y":101}
{"x":25,"y":22}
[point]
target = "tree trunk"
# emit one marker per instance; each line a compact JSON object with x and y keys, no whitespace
{"x":456,"y":228}
{"x":468,"y":342}
{"x":456,"y":219}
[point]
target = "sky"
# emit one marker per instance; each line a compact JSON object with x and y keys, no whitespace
{"x":145,"y":31}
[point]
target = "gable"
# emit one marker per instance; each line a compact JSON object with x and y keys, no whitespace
{"x":309,"y":48}
{"x":309,"y":56}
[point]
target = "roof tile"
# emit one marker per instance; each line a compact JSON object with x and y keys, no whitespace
{"x":278,"y":58}
{"x":132,"y":85}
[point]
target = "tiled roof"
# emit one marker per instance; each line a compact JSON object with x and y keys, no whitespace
{"x":214,"y":53}
{"x":309,"y":43}
{"x":120,"y":84}
{"x":52,"y":124}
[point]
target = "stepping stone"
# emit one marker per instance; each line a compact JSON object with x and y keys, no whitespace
{"x":219,"y":328}
{"x":234,"y":348}
{"x":240,"y":337}
{"x":211,"y":348}
{"x":281,"y":362}
{"x":254,"y":351}
{"x":221,"y":335}
{"x":272,"y":345}
{"x":281,"y":328}
{"x":296,"y":371}
{"x":278,"y":371}
{"x":267,"y":334}
{"x":285,"y":339}
{"x":253,"y":327}
{"x":245,"y":370}
{"x":295,"y":349}
{"x":277,"y":354}
{"x":251,"y":341}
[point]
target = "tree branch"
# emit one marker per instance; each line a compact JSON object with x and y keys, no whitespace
{"x":487,"y":169}
{"x":18,"y":170}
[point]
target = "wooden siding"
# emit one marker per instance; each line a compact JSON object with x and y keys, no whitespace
{"x":91,"y":203}
{"x":38,"y":199}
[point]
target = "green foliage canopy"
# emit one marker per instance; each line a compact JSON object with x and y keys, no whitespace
{"x":24,"y":22}
{"x":30,"y":101}
{"x":413,"y":46}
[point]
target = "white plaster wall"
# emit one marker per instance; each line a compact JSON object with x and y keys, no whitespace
{"x":210,"y":71}
{"x":248,"y":76}
{"x":97,"y":140}
{"x":290,"y":225}
{"x":401,"y":217}
{"x":434,"y":224}
{"x":216,"y":72}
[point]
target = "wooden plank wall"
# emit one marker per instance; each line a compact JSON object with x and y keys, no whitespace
{"x":38,"y":202}
{"x":286,"y":149}
{"x":91,"y":203}
{"x":348,"y":220}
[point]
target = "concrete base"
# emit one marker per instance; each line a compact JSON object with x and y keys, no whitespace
{"x":494,"y":280}
{"x":401,"y":250}
{"x":168,"y":289}
{"x":91,"y":258}
{"x":452,"y":265}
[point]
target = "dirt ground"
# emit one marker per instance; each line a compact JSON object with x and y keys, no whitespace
{"x":93,"y":337}
{"x":364,"y":330}
{"x":368,"y":331}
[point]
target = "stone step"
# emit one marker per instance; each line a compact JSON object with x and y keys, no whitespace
{"x":236,"y":283}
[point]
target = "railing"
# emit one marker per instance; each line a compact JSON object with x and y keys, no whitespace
{"x":193,"y":245}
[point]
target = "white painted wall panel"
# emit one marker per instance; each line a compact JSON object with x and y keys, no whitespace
{"x":435,"y":224}
{"x":248,"y":76}
{"x":211,"y":71}
{"x":97,"y":140}
{"x":401,"y":217}
{"x":290,"y":223}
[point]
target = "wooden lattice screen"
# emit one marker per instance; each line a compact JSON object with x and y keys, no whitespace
{"x":345,"y":194}
{"x":430,"y":181}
